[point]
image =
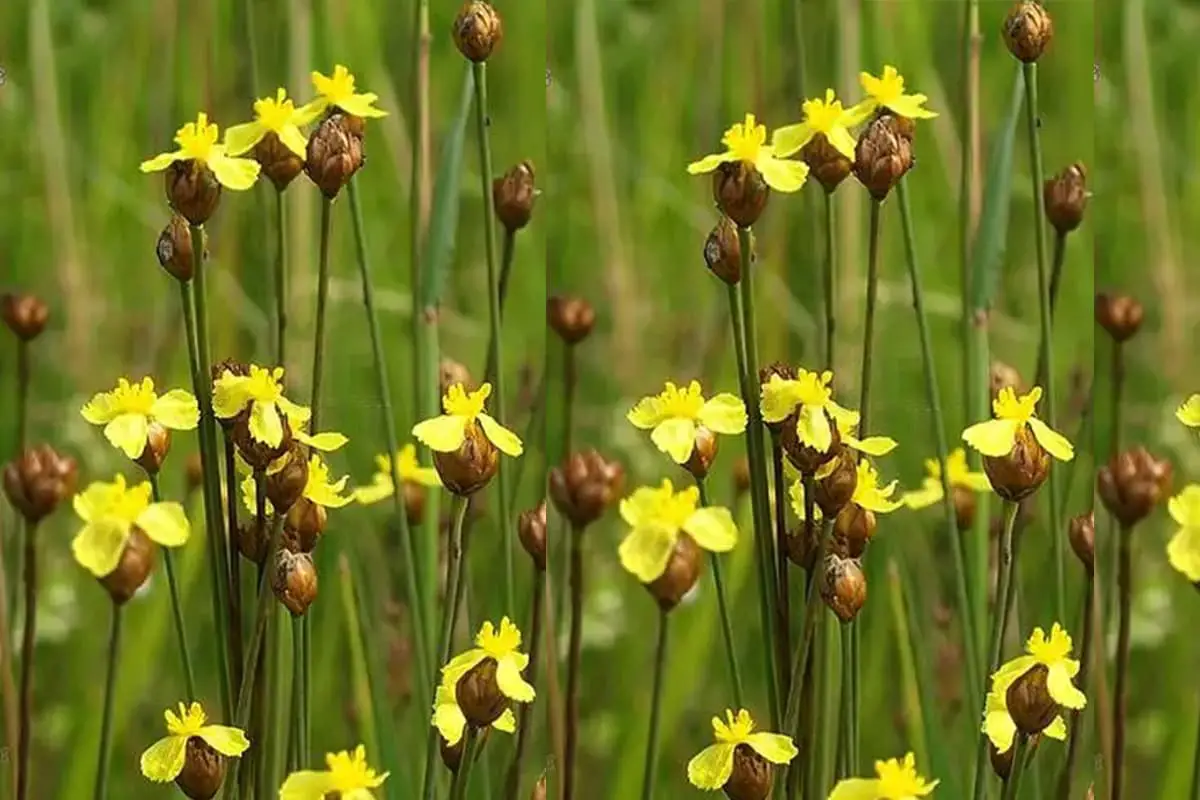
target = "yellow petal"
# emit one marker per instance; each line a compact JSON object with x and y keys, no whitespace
{"x":425,"y":476}
{"x":443,"y":434}
{"x":789,"y":139}
{"x":710,"y":163}
{"x":712,"y":767}
{"x":725,"y":414}
{"x":165,"y":523}
{"x":307,"y":785}
{"x":856,"y":789}
{"x":310,"y":111}
{"x":99,"y":545}
{"x":995,"y":437}
{"x":100,"y":409}
{"x":645,"y":414}
{"x":361,"y":105}
{"x":92,"y":500}
{"x":507,"y":723}
{"x":224,"y":739}
{"x":1058,"y":683}
{"x":177,"y":410}
{"x":325,"y":442}
{"x":912,"y":106}
{"x":448,"y":718}
{"x":779,"y":399}
{"x":713,"y":529}
{"x":1184,"y":507}
{"x":1189,"y":412}
{"x":461,"y":664}
{"x":240,"y":138}
{"x":929,"y":493}
{"x":872,"y":445}
{"x":297,"y":414}
{"x":294,"y":140}
{"x":329,"y":495}
{"x":813,"y":428}
{"x":163,"y":760}
{"x":162,"y":161}
{"x":1057,"y":729}
{"x":977,"y":482}
{"x":507,"y":441}
{"x":858,"y":114}
{"x":641,"y":507}
{"x":1183,"y":551}
{"x":1055,"y":443}
{"x":782,"y":175}
{"x":646,"y":550}
{"x":381,"y":488}
{"x":230,"y":395}
{"x":127,"y":432}
{"x":512,"y":685}
{"x":238,"y":174}
{"x":1000,"y":729}
{"x":774,"y":747}
{"x":265,"y":425}
{"x":843,"y":140}
{"x":676,"y":437}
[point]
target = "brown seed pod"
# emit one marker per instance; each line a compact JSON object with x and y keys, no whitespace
{"x":843,"y":586}
{"x":203,"y":770}
{"x":1028,"y":30}
{"x":479,"y":695}
{"x":681,"y":574}
{"x":825,"y":162}
{"x":1132,"y":483}
{"x":192,"y":190}
{"x":804,"y":458}
{"x":833,"y":492}
{"x":572,"y":318}
{"x":513,"y":194}
{"x":1004,"y":376}
{"x":751,"y":777}
{"x":531,"y":528}
{"x":1081,"y":533}
{"x":306,"y":520}
{"x":335,"y":153}
{"x":295,"y":581}
{"x":278,"y":161}
{"x":136,"y":564}
{"x":413,"y":495}
{"x":451,"y":372}
{"x":802,"y":545}
{"x":741,"y":477}
{"x":174,"y":249}
{"x":883,"y":154}
{"x":964,"y":506}
{"x":704,"y":452}
{"x":1066,"y":197}
{"x":469,"y":468}
{"x":1119,"y":314}
{"x":286,"y":487}
{"x":1029,"y":702}
{"x":584,"y":486}
{"x":38,"y":481}
{"x":158,"y":444}
{"x":854,"y":526}
{"x":1020,"y":473}
{"x":723,"y":251}
{"x":259,"y":455}
{"x":741,"y":192}
{"x":24,"y":314}
{"x":477,"y":31}
{"x":193,"y":473}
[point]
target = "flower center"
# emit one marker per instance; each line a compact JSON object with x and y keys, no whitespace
{"x":898,"y":781}
{"x":275,"y":112}
{"x":339,"y":87}
{"x":188,"y":723}
{"x":350,"y":771}
{"x":813,"y":389}
{"x":264,"y":384}
{"x":745,"y":140}
{"x":137,"y":398}
{"x":501,"y":643}
{"x":458,"y":403}
{"x":196,"y":139}
{"x":823,"y":115}
{"x":735,"y":729}
{"x":889,"y":88}
{"x":1009,"y":406}
{"x":681,"y":404}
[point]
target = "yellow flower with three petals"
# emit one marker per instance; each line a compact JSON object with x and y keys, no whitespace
{"x":338,"y":91}
{"x":198,"y":143}
{"x":657,"y":518}
{"x":502,"y":645}
{"x":996,"y":437}
{"x":747,"y":141}
{"x":1189,"y":412}
{"x":446,"y":433}
{"x":868,"y":494}
{"x":262,"y":392}
{"x":450,"y":721}
{"x":128,"y":410}
{"x":887,"y":91}
{"x":318,"y":488}
{"x":1183,"y":551}
{"x":277,"y":115}
{"x":110,"y":511}
{"x":673,"y":415}
{"x":897,"y":780}
{"x":810,"y":396}
{"x":960,"y":474}
{"x":713,"y":766}
{"x":163,"y":760}
{"x":824,"y":116}
{"x":411,"y":471}
{"x":349,"y":777}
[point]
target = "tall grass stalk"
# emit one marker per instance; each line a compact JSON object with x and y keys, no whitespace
{"x":176,"y":607}
{"x":512,"y":783}
{"x":735,"y":674}
{"x":419,"y":185}
{"x":782,"y":586}
{"x":1121,"y":692}
{"x":1021,"y":758}
{"x":360,"y":679}
{"x":110,"y":680}
{"x":1074,"y":732}
{"x":1196,"y":769}
{"x":23,"y":382}
{"x":845,"y":755}
{"x":257,"y":732}
{"x":472,"y":742}
{"x":968,"y":135}
{"x":574,"y":649}
{"x":660,"y":661}
{"x":27,"y":659}
{"x":235,"y":565}
{"x":830,"y":284}
{"x":868,"y":350}
{"x":1060,"y":252}
{"x":281,"y":281}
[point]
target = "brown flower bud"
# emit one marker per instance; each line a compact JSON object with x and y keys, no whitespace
{"x":741,"y":477}
{"x":964,"y":506}
{"x":572,"y":318}
{"x":295,"y":581}
{"x":413,"y":495}
{"x":802,"y":545}
{"x":1066,"y":197}
{"x":479,"y":695}
{"x":278,"y":161}
{"x":681,"y":574}
{"x":38,"y":481}
{"x":1020,"y":473}
{"x":584,"y":486}
{"x":804,"y":458}
{"x":751,"y":777}
{"x":477,"y":30}
{"x":1028,"y":29}
{"x":1029,"y":702}
{"x":531,"y":528}
{"x":825,"y":162}
{"x":704,"y":452}
{"x":1004,"y":376}
{"x":136,"y":564}
{"x":158,"y":444}
{"x":883,"y":154}
{"x":335,"y":153}
{"x":855,"y":527}
{"x":193,"y":473}
{"x":252,"y":540}
{"x":1081,"y":533}
{"x":1002,"y":763}
{"x":192,"y":190}
{"x":451,"y":372}
{"x":451,"y":753}
{"x":513,"y":194}
{"x":286,"y":487}
{"x":539,"y":789}
{"x":1132,"y":483}
{"x":24,"y":314}
{"x":174,"y":249}
{"x":723,"y":251}
{"x":835,"y":490}
{"x":203,"y":770}
{"x":306,"y":520}
{"x":259,"y":455}
{"x":741,"y":192}
{"x":1119,"y":314}
{"x":843,"y":586}
{"x":469,"y":468}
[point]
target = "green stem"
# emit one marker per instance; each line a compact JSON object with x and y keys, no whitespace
{"x":176,"y":606}
{"x":1021,"y":758}
{"x":110,"y":685}
{"x":830,"y":284}
{"x":281,"y":281}
{"x":1074,"y":734}
{"x":574,"y":649}
{"x":1196,"y":769}
{"x":235,"y":565}
{"x":783,"y":618}
{"x":855,"y":696}
{"x":660,"y":660}
{"x":966,"y":183}
{"x":1121,"y":691}
{"x":845,"y":747}
{"x":23,"y":381}
{"x":257,"y":719}
{"x":462,"y":778}
{"x":294,"y":759}
{"x":513,"y":781}
{"x":506,"y":261}
{"x":735,"y":675}
{"x":864,"y":402}
{"x":812,"y":609}
{"x":27,"y":661}
{"x":1060,"y":251}
{"x":318,"y":361}
{"x":978,"y":390}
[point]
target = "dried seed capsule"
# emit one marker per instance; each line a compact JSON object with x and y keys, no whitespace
{"x":751,"y":777}
{"x":513,"y":195}
{"x":825,"y":162}
{"x":1119,"y":314}
{"x":1020,"y":473}
{"x":478,"y":29}
{"x":802,"y":545}
{"x":192,"y":190}
{"x":24,"y":314}
{"x":804,"y":458}
{"x":1004,"y":376}
{"x":1028,"y":29}
{"x":259,"y":455}
{"x":158,"y":444}
{"x":335,"y":153}
{"x":286,"y":487}
{"x":469,"y":468}
{"x":883,"y":154}
{"x":704,"y":452}
{"x":1081,"y":532}
{"x":681,"y":574}
{"x":278,"y":161}
{"x":741,"y":192}
{"x":295,"y":581}
{"x":174,"y":249}
{"x":306,"y":520}
{"x":964,"y":506}
{"x":1029,"y":702}
{"x":479,"y":696}
{"x":723,"y":251}
{"x":531,"y":528}
{"x":1132,"y":483}
{"x":835,"y":490}
{"x":136,"y":564}
{"x":38,"y":481}
{"x":1066,"y":197}
{"x":451,"y":372}
{"x":584,"y":486}
{"x":572,"y":318}
{"x":855,"y":526}
{"x":843,"y":587}
{"x":203,"y":770}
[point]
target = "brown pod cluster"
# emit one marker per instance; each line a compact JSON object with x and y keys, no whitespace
{"x":741,"y":192}
{"x":158,"y":444}
{"x":825,"y":162}
{"x":1028,"y":29}
{"x":1020,"y":473}
{"x":451,"y":372}
{"x":38,"y":481}
{"x":723,"y":251}
{"x":479,"y":696}
{"x":854,"y":528}
{"x":136,"y":564}
{"x":704,"y":452}
{"x":1119,"y":314}
{"x":752,"y":775}
{"x":804,"y":458}
{"x":1029,"y":702}
{"x":834,"y":492}
{"x":295,"y":581}
{"x":883,"y":154}
{"x":1066,"y":197}
{"x":174,"y":249}
{"x":469,"y":468}
{"x":1132,"y":483}
{"x":278,"y":161}
{"x":285,"y":487}
{"x":572,"y":318}
{"x":1081,"y":533}
{"x":1004,"y":376}
{"x":335,"y":153}
{"x":305,"y":521}
{"x":681,"y":574}
{"x":531,"y":529}
{"x":513,"y":194}
{"x":192,"y":190}
{"x":24,"y":314}
{"x":584,"y":486}
{"x":843,"y":586}
{"x":203,"y":770}
{"x":478,"y":29}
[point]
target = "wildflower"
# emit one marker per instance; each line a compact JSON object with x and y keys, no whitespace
{"x":823,"y":140}
{"x":465,"y":440}
{"x":338,"y":91}
{"x":572,"y":318}
{"x":678,"y":419}
{"x":1119,"y":314}
{"x":1028,"y":29}
{"x":741,"y":760}
{"x":24,"y":314}
{"x":513,"y":194}
{"x":898,"y":780}
{"x":261,"y":395}
{"x":868,"y":494}
{"x":190,"y":753}
{"x":1183,"y":551}
{"x":306,"y":517}
{"x":1016,"y":445}
{"x":349,"y":777}
{"x":1035,"y":687}
{"x":1065,"y":196}
{"x":450,"y":721}
{"x":963,"y":486}
{"x":274,"y":136}
{"x":133,"y":416}
{"x":477,"y":30}
{"x":487,"y":678}
{"x":1189,"y":412}
{"x":37,"y":481}
{"x":884,"y":154}
{"x":111,"y":512}
{"x":411,"y":471}
{"x":1001,"y":730}
{"x":887,"y":91}
{"x":584,"y":486}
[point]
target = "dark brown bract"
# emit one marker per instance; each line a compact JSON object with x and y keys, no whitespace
{"x":513,"y":194}
{"x":278,"y":161}
{"x":883,"y":154}
{"x":1066,"y":197}
{"x":1132,"y":483}
{"x":295,"y":581}
{"x":825,"y":162}
{"x":1022,"y":472}
{"x":572,"y":318}
{"x":1028,"y":30}
{"x":203,"y":770}
{"x":1081,"y":532}
{"x":741,"y":192}
{"x":833,"y":492}
{"x":704,"y":452}
{"x":469,"y":468}
{"x":1029,"y":702}
{"x":158,"y":444}
{"x":723,"y":251}
{"x":531,"y":529}
{"x":38,"y":481}
{"x":584,"y":486}
{"x":479,"y":696}
{"x":751,"y":777}
{"x":285,"y":487}
{"x":1119,"y":314}
{"x":804,"y":458}
{"x":136,"y":564}
{"x":174,"y":249}
{"x":843,"y":586}
{"x":335,"y":153}
{"x":855,"y":527}
{"x":478,"y":29}
{"x":681,"y":574}
{"x":24,"y":314}
{"x":192,"y":190}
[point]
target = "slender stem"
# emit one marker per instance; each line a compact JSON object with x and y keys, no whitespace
{"x":845,"y":747}
{"x":295,"y":759}
{"x":235,"y":565}
{"x":782,"y":586}
{"x":864,"y":402}
{"x":1060,"y":251}
{"x":318,"y":361}
{"x":735,"y":675}
{"x":1118,"y":394}
{"x":1125,"y":591}
{"x":1021,"y":757}
{"x":660,"y":660}
{"x":855,"y":694}
{"x":1109,"y":554}
{"x":176,"y":606}
{"x":8,"y":688}
{"x":110,"y":685}
{"x":830,"y":284}
{"x":1005,"y":583}
{"x":979,"y":539}
{"x":966,"y":182}
{"x":27,"y":660}
{"x":1196,"y":769}
{"x":812,"y":609}
{"x":22,"y":394}
{"x":1074,"y":734}
{"x":506,"y":262}
{"x":419,"y":183}
{"x":573,"y":662}
{"x":281,"y":281}
{"x":471,"y":746}
{"x":513,"y":782}
{"x":257,"y":718}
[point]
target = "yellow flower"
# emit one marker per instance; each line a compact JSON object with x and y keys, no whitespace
{"x":674,"y":414}
{"x":277,"y":115}
{"x":887,"y":92}
{"x":502,"y":647}
{"x":163,"y":760}
{"x":450,"y":721}
{"x":658,"y":516}
{"x":1000,"y":728}
{"x":847,"y":424}
{"x":110,"y":511}
{"x":127,"y":411}
{"x":747,"y":141}
{"x":1183,"y":550}
{"x":338,"y":92}
{"x":898,"y":780}
{"x":317,"y":489}
{"x":348,"y":777}
{"x":868,"y":494}
{"x":410,"y":470}
{"x":809,"y":393}
{"x":1189,"y":412}
{"x":262,"y":392}
{"x":820,"y":116}
{"x":960,"y":477}
{"x":198,"y":142}
{"x":996,"y":437}
{"x":446,"y":433}
{"x":713,"y":766}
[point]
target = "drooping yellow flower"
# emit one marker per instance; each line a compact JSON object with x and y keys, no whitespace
{"x":318,"y":488}
{"x":410,"y":471}
{"x":262,"y":392}
{"x":712,"y":767}
{"x":673,"y":415}
{"x":809,"y":394}
{"x":501,"y":645}
{"x":348,"y":777}
{"x":897,"y":780}
{"x":1189,"y":412}
{"x":887,"y":91}
{"x":847,"y":421}
{"x":450,"y":721}
{"x":127,"y":411}
{"x":277,"y":115}
{"x":996,"y":437}
{"x":198,"y":142}
{"x":960,"y":477}
{"x":658,"y":516}
{"x":825,"y":116}
{"x":1001,"y":730}
{"x":747,"y":141}
{"x":1183,"y":551}
{"x":446,"y":433}
{"x":163,"y":760}
{"x":868,"y":494}
{"x":110,"y":511}
{"x":338,"y":91}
